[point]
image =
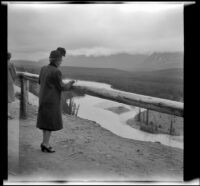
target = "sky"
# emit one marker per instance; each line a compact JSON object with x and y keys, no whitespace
{"x":34,"y":30}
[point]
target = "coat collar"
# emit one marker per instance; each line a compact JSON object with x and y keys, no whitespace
{"x":52,"y":64}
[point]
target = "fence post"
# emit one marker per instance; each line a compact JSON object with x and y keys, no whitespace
{"x":139,"y":116}
{"x":147,"y":117}
{"x":24,"y":97}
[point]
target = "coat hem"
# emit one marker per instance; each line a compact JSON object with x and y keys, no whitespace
{"x":49,"y":129}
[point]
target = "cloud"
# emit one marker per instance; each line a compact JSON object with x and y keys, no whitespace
{"x":35,"y":30}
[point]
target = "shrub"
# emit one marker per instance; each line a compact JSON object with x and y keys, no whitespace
{"x":68,"y":104}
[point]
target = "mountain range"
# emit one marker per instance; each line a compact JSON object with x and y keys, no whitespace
{"x":122,"y":61}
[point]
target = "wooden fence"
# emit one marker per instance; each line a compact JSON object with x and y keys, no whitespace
{"x":151,"y":103}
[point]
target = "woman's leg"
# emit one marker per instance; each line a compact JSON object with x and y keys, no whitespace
{"x":46,"y":137}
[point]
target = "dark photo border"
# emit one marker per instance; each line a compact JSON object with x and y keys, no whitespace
{"x":191,"y":89}
{"x":3,"y":93}
{"x":191,"y":100}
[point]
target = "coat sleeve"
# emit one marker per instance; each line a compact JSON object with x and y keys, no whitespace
{"x":59,"y":84}
{"x":13,"y":71}
{"x":39,"y":80}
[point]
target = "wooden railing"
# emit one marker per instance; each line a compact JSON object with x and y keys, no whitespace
{"x":151,"y":103}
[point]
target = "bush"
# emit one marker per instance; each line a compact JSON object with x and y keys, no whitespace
{"x":68,"y":104}
{"x":149,"y":128}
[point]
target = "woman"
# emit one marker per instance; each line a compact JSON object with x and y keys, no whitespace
{"x":49,"y":111}
{"x":11,"y":78}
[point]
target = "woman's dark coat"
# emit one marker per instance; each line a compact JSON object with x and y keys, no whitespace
{"x":51,"y":87}
{"x":11,"y":78}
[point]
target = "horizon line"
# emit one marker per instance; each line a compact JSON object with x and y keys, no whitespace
{"x":105,"y":55}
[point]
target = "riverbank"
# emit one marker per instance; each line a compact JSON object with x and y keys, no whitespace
{"x":158,"y":123}
{"x":86,"y":151}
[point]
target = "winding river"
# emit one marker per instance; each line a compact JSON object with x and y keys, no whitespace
{"x":94,"y":108}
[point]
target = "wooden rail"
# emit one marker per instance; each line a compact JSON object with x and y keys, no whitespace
{"x":152,"y":103}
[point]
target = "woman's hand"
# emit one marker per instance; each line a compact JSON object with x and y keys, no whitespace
{"x":68,"y":85}
{"x":72,"y":82}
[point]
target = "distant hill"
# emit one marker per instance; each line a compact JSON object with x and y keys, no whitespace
{"x":170,"y":73}
{"x":166,"y":83}
{"x":127,"y":62}
{"x":25,"y":63}
{"x":118,"y":61}
{"x":123,"y":61}
{"x":165,"y":60}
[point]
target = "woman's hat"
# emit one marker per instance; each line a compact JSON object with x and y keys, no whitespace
{"x":61,"y":50}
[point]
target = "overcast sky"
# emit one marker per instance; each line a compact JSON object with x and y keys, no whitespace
{"x":35,"y":30}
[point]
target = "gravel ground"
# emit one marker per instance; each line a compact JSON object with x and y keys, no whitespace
{"x":86,"y":151}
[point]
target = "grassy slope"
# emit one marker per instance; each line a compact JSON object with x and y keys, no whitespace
{"x":164,"y":84}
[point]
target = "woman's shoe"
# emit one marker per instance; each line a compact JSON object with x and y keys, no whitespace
{"x":46,"y":149}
